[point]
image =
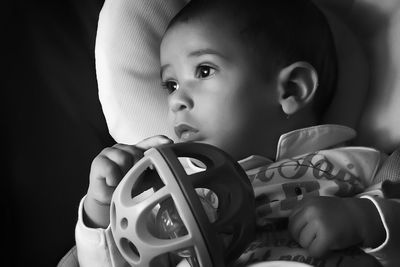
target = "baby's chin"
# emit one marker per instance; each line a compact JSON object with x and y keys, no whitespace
{"x":234,"y":151}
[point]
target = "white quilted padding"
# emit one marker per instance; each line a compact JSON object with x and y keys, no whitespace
{"x":127,"y":66}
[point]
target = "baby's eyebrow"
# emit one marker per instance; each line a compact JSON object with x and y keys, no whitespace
{"x":206,"y":51}
{"x":162,"y":69}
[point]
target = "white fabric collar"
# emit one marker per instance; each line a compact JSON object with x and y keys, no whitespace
{"x":296,"y":143}
{"x":302,"y":141}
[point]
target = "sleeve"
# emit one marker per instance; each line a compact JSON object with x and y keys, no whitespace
{"x":95,"y":246}
{"x":384,"y":194}
{"x":388,"y":252}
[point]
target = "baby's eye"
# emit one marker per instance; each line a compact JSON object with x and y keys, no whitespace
{"x":170,"y":86}
{"x":204,"y":71}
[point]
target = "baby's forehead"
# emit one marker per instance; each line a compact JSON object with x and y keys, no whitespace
{"x":202,"y":34}
{"x":209,"y":13}
{"x":207,"y":32}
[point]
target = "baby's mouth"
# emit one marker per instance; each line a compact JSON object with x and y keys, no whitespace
{"x":188,"y":136}
{"x":186,"y":132}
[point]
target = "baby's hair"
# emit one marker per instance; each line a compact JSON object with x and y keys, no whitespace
{"x":279,"y":33}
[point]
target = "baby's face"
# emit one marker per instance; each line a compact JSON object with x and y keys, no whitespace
{"x":216,"y":93}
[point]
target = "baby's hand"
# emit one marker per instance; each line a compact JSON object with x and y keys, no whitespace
{"x":107,"y":169}
{"x":322,"y":224}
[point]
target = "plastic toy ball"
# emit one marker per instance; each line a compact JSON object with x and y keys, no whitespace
{"x":161,"y":211}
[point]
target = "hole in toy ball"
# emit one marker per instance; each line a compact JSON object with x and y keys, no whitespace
{"x":147,"y":183}
{"x":129,"y":249}
{"x":209,"y":201}
{"x":124,"y":223}
{"x":190,"y":255}
{"x":198,"y":163}
{"x":134,"y":249}
{"x":159,"y":260}
{"x":169,"y":221}
{"x":192,"y":165}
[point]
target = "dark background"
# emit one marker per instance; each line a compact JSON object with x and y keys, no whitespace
{"x":53,"y":124}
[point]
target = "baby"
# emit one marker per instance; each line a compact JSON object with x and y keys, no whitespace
{"x":254,"y":79}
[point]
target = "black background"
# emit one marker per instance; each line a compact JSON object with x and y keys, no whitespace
{"x":53,"y":124}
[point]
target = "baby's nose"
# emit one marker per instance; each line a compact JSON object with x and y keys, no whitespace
{"x":180,"y":100}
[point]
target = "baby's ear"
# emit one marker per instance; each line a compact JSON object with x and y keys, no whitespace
{"x":297,"y":84}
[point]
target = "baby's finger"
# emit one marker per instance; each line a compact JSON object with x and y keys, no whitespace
{"x":104,"y":196}
{"x":133,"y":150}
{"x":297,"y":222}
{"x":108,"y":170}
{"x":319,"y":247}
{"x":307,"y":235}
{"x":154,"y":141}
{"x":297,"y":218}
{"x":121,"y":157}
